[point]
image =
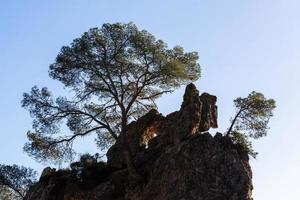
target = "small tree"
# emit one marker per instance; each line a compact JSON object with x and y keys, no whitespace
{"x":251,"y":120}
{"x":15,"y":181}
{"x":116,"y":73}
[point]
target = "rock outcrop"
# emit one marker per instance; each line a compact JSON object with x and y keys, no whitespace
{"x":176,"y":157}
{"x":197,"y":114}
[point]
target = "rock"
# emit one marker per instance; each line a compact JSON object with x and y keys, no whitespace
{"x":139,"y":133}
{"x":209,"y":113}
{"x":201,"y":167}
{"x":189,"y":118}
{"x":47,"y":172}
{"x":191,"y":95}
{"x":197,"y":114}
{"x":175,"y":155}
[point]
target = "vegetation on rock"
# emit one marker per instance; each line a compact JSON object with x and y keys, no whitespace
{"x":251,"y":120}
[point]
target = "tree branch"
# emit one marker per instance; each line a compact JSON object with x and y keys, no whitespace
{"x":155,"y":95}
{"x":233,"y":121}
{"x":74,"y":136}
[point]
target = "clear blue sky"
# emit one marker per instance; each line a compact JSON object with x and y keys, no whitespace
{"x":243,"y":46}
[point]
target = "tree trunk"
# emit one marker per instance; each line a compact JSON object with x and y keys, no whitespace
{"x":233,"y":122}
{"x":133,"y":174}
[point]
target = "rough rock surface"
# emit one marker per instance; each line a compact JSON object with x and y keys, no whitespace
{"x":175,"y":158}
{"x":197,"y":114}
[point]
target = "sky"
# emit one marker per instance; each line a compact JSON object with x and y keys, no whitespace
{"x":243,"y":46}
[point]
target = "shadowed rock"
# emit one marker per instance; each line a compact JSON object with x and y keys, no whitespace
{"x":197,"y":114}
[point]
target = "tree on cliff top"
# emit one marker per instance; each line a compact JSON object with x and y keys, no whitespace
{"x":116,"y":73}
{"x":15,"y":181}
{"x":251,"y":119}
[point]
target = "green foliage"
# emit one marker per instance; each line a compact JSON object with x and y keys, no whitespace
{"x":86,"y":160}
{"x":251,"y":120}
{"x":42,"y":147}
{"x":254,"y":113}
{"x":89,"y":171}
{"x":15,"y":181}
{"x":243,"y":141}
{"x":116,"y":73}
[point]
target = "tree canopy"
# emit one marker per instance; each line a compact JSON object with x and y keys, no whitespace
{"x":115,"y":74}
{"x":251,"y":119}
{"x":15,"y":181}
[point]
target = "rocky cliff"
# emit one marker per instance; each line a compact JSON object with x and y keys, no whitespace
{"x":176,"y":157}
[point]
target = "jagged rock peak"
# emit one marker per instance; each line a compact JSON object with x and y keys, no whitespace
{"x":191,"y":95}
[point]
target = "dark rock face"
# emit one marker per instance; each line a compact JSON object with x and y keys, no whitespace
{"x":175,"y":158}
{"x":139,"y":133}
{"x":202,"y":168}
{"x":197,"y":114}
